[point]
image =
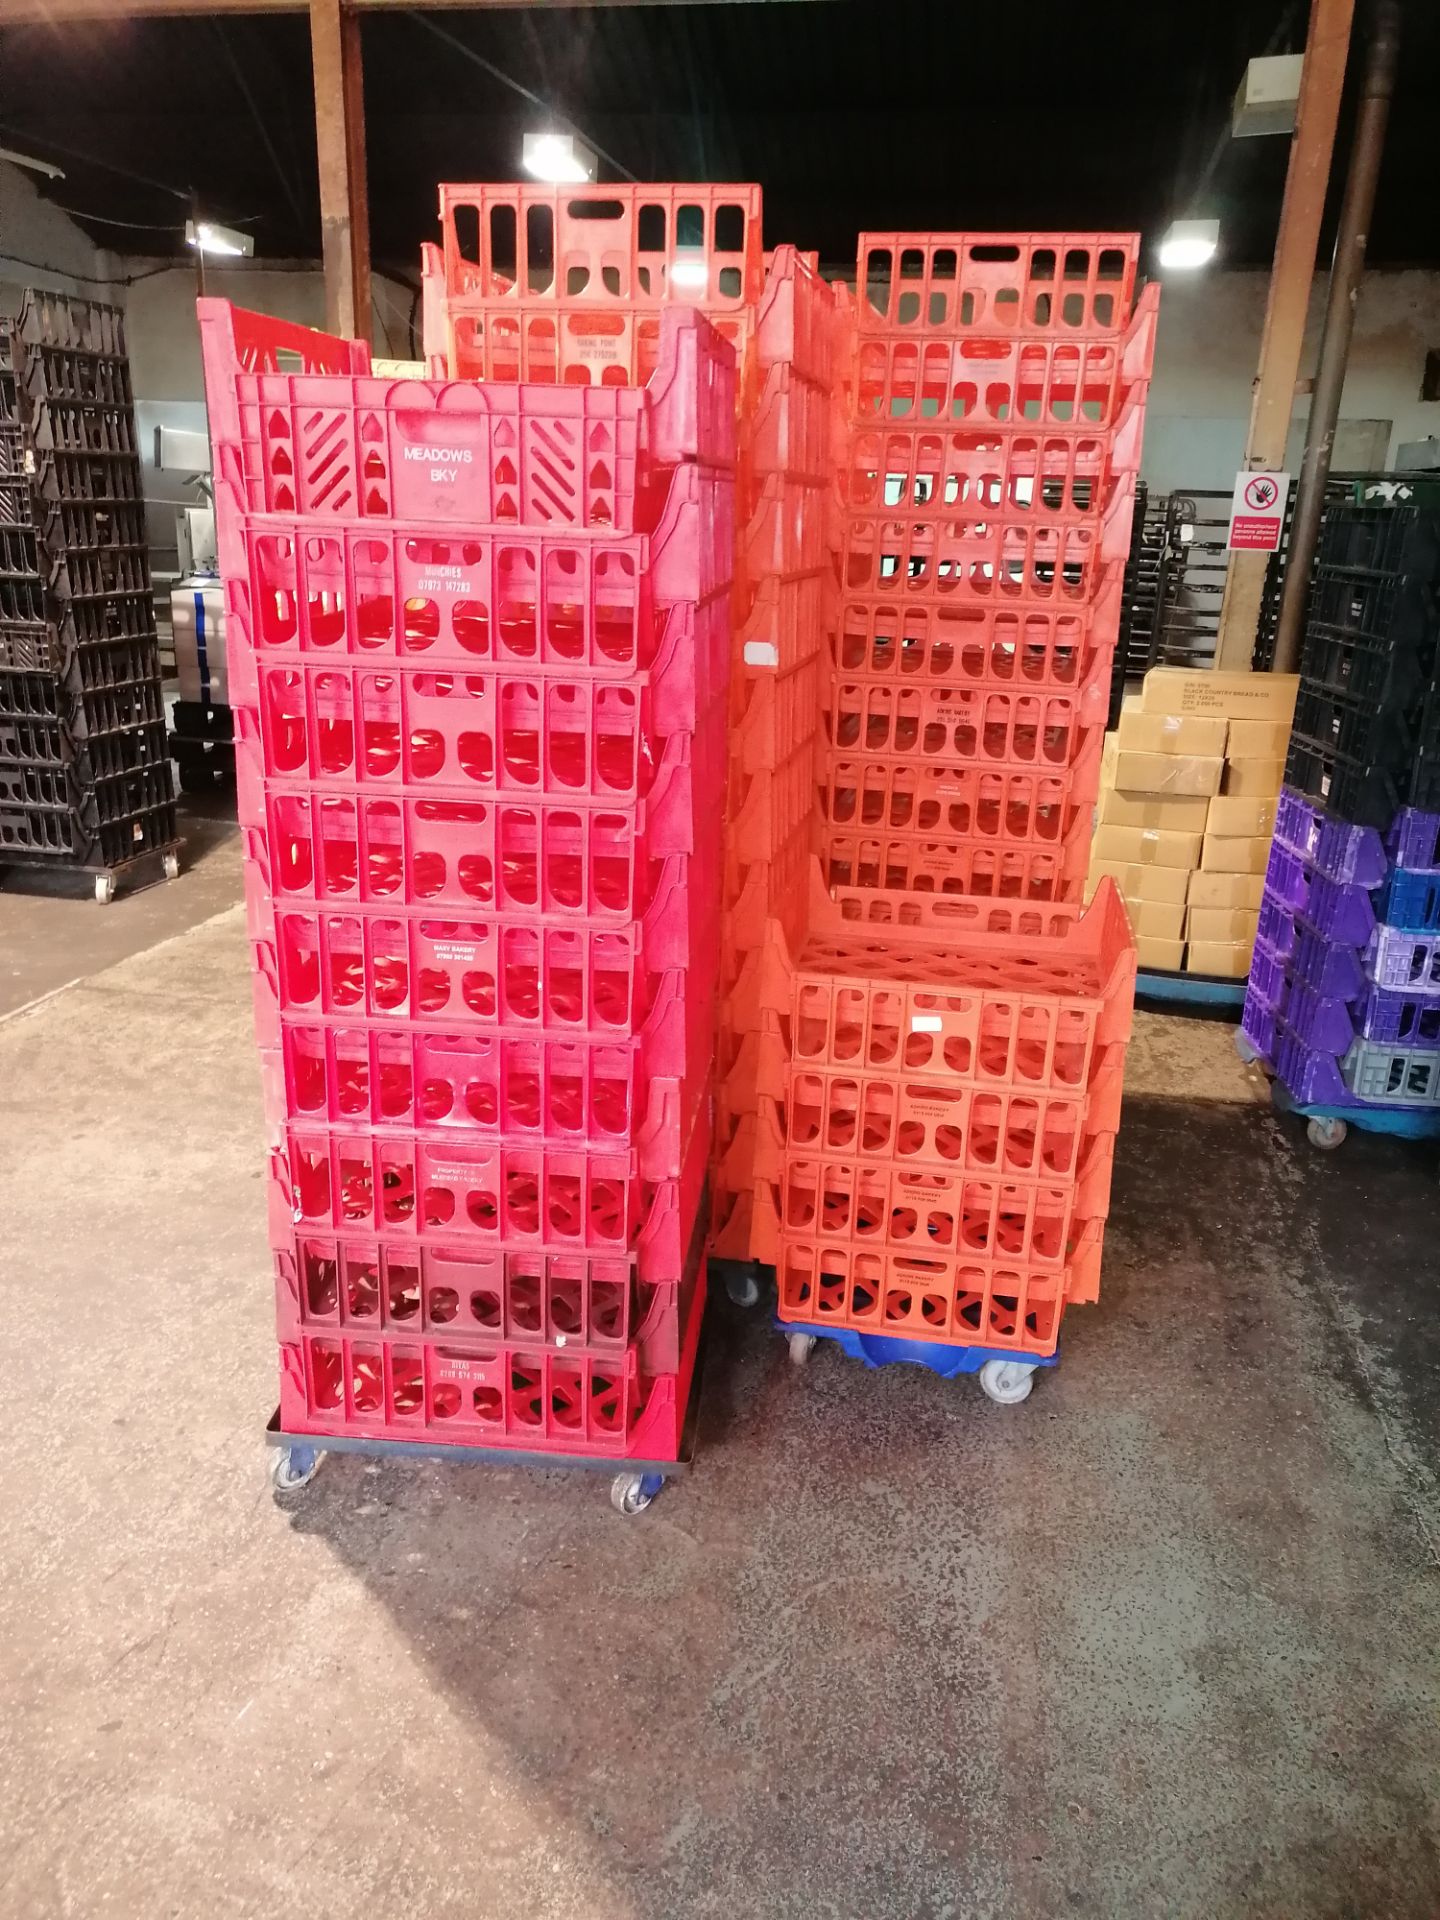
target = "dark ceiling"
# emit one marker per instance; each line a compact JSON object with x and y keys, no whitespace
{"x":850,"y":113}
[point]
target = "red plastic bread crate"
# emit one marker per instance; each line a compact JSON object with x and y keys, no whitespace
{"x":789,"y":622}
{"x":903,"y":796}
{"x":1031,"y":648}
{"x":1061,"y":474}
{"x":984,"y":557}
{"x":460,"y":736}
{"x":324,"y":963}
{"x":771,"y":807}
{"x":773,"y":715}
{"x":929,"y":1296}
{"x":567,"y":283}
{"x":537,"y":603}
{"x":986,"y":726}
{"x":1073,"y":284}
{"x":794,"y":429}
{"x":439,"y":1190}
{"x":1002,"y":381}
{"x":793,"y":528}
{"x":1006,"y":1133}
{"x":485,"y":1086}
{"x":525,"y":1299}
{"x":336,"y":441}
{"x":396,"y":1386}
{"x":926,"y":1211}
{"x":913,"y":864}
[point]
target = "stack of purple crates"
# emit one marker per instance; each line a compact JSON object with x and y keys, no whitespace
{"x":1343,"y":1002}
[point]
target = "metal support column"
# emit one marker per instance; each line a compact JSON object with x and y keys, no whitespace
{"x":1346,"y":268}
{"x":1322,"y":80}
{"x":340,"y":139}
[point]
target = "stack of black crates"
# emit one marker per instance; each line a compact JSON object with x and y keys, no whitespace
{"x":85,"y":777}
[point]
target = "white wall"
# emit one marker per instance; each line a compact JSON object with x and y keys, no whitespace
{"x":42,"y":247}
{"x":1206,"y":351}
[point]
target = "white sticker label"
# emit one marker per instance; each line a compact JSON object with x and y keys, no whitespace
{"x":925,"y":1023}
{"x":761,"y":653}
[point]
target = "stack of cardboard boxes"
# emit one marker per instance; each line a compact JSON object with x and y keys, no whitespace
{"x":1188,"y":786}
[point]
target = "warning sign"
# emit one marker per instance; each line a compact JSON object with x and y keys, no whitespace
{"x":1257,"y":512}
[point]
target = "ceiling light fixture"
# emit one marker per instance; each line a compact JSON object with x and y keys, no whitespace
{"x":1190,"y":244}
{"x":209,"y":238}
{"x":558,"y":157}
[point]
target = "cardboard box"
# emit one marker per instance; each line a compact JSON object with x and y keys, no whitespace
{"x":1234,"y":814}
{"x":1252,"y":779}
{"x":1228,"y":959}
{"x":1146,"y":847}
{"x":1156,"y":919}
{"x":1172,"y":812}
{"x":1226,"y":890}
{"x":1183,"y":773}
{"x":1159,"y":956}
{"x":1234,"y":853}
{"x":1229,"y":696}
{"x":1187,"y":733}
{"x":1258,"y":739}
{"x":1162,"y":885}
{"x":1229,"y":924}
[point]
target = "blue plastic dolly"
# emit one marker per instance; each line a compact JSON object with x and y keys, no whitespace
{"x":1197,"y":992}
{"x":1326,"y":1127}
{"x":1004,"y":1377}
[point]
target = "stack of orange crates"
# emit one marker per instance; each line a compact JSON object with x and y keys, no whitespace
{"x":792,"y":444}
{"x":935,"y":1069}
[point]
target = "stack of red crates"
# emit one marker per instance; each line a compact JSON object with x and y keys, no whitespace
{"x":479,"y":640}
{"x":936,"y":1069}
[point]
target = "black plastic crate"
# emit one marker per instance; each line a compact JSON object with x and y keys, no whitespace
{"x":22,"y":598}
{"x":65,"y":320}
{"x":85,"y":710}
{"x":63,"y":834}
{"x":78,"y":526}
{"x":57,"y":374}
{"x":97,"y":479}
{"x":1402,"y":541}
{"x":1393,"y":618}
{"x":93,"y":573}
{"x":16,"y":460}
{"x":19,"y":550}
{"x":82,"y":426}
{"x":106,"y":617}
{"x":103,"y":757}
{"x":29,"y":646}
{"x":18,"y":504}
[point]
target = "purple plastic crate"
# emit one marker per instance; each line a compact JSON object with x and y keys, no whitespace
{"x":1408,"y":1020}
{"x":1313,"y":1079}
{"x":1288,"y":876}
{"x":1276,"y":925}
{"x":1297,"y":823}
{"x":1404,"y":962}
{"x":1329,"y":967}
{"x":1325,"y":1026}
{"x":1414,"y":840}
{"x":1267,"y":975}
{"x":1349,"y":854}
{"x":1341,"y":911}
{"x":1258,"y":1023}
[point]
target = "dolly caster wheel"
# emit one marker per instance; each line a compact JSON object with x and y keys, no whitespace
{"x":104,"y":888}
{"x":1326,"y":1132}
{"x":292,"y":1468}
{"x":172,"y":866}
{"x":800,"y":1347}
{"x":1007,"y":1382}
{"x":633,"y":1492}
{"x":742,"y":1289}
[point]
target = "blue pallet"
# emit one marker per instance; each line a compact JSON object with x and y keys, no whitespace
{"x":1406,"y":1123}
{"x":1189,"y":989}
{"x":888,"y":1350}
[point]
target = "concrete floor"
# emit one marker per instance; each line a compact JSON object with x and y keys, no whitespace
{"x":1160,"y":1642}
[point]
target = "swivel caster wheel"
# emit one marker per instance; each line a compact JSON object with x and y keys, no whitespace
{"x":800,"y":1347}
{"x":1326,"y":1132}
{"x":292,"y":1468}
{"x":172,"y":866}
{"x":742,"y":1289}
{"x":1007,"y":1382}
{"x":633,"y":1492}
{"x":104,"y":888}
